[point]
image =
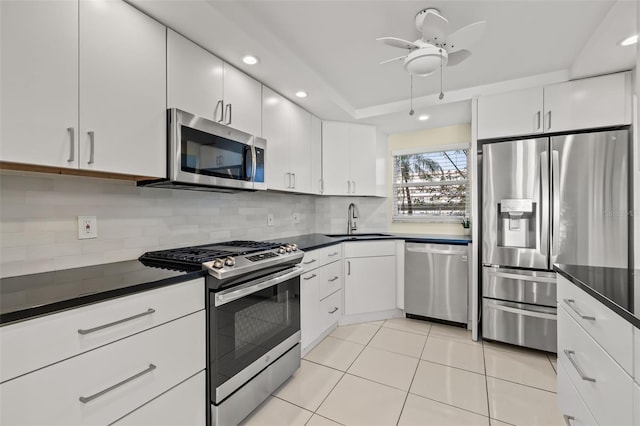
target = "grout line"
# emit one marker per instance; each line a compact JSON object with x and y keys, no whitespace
{"x":455,"y":368}
{"x":486,"y":382}
{"x":450,"y":405}
{"x":522,"y":384}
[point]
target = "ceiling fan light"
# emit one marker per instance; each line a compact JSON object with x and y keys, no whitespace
{"x":425,"y":61}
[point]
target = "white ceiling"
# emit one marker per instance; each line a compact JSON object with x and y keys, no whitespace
{"x":328,"y":48}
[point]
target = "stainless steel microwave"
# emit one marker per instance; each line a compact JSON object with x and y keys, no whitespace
{"x":208,"y":156}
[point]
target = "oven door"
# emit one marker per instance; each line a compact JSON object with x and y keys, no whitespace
{"x":252,"y":325}
{"x":204,"y":152}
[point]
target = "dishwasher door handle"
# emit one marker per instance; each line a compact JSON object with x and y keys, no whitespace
{"x":418,"y":249}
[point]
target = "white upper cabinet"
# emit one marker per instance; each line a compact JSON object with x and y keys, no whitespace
{"x":316,"y":155}
{"x":122,"y":90}
{"x":510,"y":114}
{"x":588,"y":103}
{"x":200,"y":83}
{"x":573,"y":105}
{"x":39,"y":79}
{"x":287,"y":129}
{"x":93,"y":76}
{"x":194,"y":78}
{"x":348,"y":158}
{"x":242,"y":101}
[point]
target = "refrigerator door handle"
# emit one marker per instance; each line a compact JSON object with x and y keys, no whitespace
{"x":555,"y":221}
{"x":544,"y":208}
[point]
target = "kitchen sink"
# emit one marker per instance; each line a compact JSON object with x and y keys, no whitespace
{"x":354,"y":236}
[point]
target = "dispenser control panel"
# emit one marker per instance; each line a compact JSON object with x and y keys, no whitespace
{"x":516,"y":205}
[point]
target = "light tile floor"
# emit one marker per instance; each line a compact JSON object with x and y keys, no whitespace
{"x":412,"y":373}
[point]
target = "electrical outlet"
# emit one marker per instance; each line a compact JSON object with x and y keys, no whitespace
{"x":269,"y":219}
{"x":87,"y":227}
{"x":297,"y":218}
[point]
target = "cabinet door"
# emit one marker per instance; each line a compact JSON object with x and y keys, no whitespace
{"x":122,"y":90}
{"x":300,"y":149}
{"x":369,"y":284}
{"x":588,"y":103}
{"x":275,"y":129}
{"x":311,"y":319}
{"x":510,"y":114}
{"x":39,"y":82}
{"x":194,"y":78}
{"x":316,"y":155}
{"x":336,"y":158}
{"x":242,"y":99}
{"x":363,"y":159}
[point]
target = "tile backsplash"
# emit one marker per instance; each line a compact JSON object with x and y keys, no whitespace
{"x":39,"y":230}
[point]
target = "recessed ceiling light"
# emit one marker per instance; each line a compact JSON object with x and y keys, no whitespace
{"x":424,"y":117}
{"x":629,"y":40}
{"x":301,"y":94}
{"x":250,"y":60}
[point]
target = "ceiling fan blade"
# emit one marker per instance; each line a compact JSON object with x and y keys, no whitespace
{"x":398,"y":42}
{"x":466,"y":37}
{"x":393,"y":59}
{"x":458,"y":56}
{"x":434,"y":27}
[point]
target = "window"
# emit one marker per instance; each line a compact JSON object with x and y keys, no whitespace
{"x":431,"y":185}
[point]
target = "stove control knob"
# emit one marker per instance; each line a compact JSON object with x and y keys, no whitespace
{"x":294,"y":247}
{"x":281,"y":250}
{"x":218,"y":264}
{"x":230,"y":261}
{"x":288,"y":248}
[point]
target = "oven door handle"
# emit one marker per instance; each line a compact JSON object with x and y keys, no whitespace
{"x":253,"y":286}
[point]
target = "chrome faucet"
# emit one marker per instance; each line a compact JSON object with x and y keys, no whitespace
{"x":352,"y":215}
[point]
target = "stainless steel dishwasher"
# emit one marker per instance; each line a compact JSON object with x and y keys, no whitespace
{"x":436,"y":281}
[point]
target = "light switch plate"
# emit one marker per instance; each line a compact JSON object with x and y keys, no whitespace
{"x":87,"y":227}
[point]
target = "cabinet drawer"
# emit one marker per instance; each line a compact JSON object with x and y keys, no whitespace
{"x":33,"y":344}
{"x":570,"y":404}
{"x":331,"y":309}
{"x":330,"y":279}
{"x":330,"y":254}
{"x":370,"y":248}
{"x":115,"y":379}
{"x":600,"y":382}
{"x":611,"y":331}
{"x":183,"y":405}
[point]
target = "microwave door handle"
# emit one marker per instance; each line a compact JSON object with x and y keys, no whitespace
{"x":254,"y":160}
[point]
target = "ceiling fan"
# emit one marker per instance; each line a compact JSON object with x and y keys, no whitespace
{"x":437,"y":47}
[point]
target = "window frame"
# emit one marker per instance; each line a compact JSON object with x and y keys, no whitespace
{"x":427,"y":150}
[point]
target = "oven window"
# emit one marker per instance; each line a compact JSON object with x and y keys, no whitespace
{"x":211,"y":155}
{"x":244,"y":330}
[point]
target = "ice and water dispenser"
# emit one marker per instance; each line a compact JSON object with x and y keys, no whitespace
{"x":517,"y":223}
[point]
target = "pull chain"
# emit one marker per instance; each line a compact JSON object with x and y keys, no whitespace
{"x":441,"y":96}
{"x":411,"y":111}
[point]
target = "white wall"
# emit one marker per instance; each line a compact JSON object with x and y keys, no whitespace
{"x":38,"y":219}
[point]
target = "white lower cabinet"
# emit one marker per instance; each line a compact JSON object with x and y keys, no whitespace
{"x":100,"y":386}
{"x":183,"y":405}
{"x":573,"y":409}
{"x":636,"y":404}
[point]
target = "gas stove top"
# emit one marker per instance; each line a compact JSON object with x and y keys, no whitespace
{"x":227,"y":259}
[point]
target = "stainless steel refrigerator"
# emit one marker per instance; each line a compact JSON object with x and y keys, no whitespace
{"x":560,"y":199}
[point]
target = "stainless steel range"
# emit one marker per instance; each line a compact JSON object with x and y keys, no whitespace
{"x":253,"y":294}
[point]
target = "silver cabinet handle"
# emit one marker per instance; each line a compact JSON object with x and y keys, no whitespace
{"x":311,"y":261}
{"x":348,"y":187}
{"x":72,"y":141}
{"x":538,"y":118}
{"x":583,"y":376}
{"x":293,"y":175}
{"x":353,"y":191}
{"x":572,"y":304}
{"x":308,"y":278}
{"x":85,"y":399}
{"x":322,"y":186}
{"x":111,"y":324}
{"x":228,"y":108}
{"x":548,"y":120}
{"x":334,"y":310}
{"x":92,"y":147}
{"x":287,"y":180}
{"x":568,"y":419}
{"x":348,"y":267}
{"x":333,"y":254}
{"x":333,"y":279}
{"x":220,"y":105}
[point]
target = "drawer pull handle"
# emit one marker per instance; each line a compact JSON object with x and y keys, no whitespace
{"x":333,"y":279}
{"x":308,"y":278}
{"x":85,"y":399}
{"x":334,"y":310}
{"x":311,"y":261}
{"x":333,"y":254}
{"x":568,"y":419}
{"x":583,"y":376}
{"x":111,"y":324}
{"x":572,"y":304}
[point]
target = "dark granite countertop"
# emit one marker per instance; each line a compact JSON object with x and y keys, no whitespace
{"x":316,"y":241}
{"x":28,"y":296}
{"x":614,"y":287}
